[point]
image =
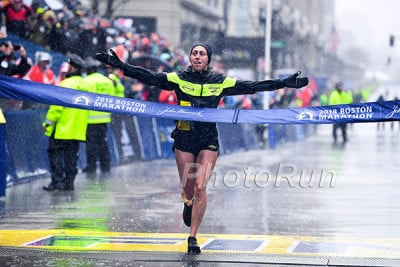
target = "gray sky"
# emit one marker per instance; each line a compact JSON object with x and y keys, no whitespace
{"x":368,"y":24}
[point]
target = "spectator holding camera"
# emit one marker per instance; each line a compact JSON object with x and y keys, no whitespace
{"x":13,"y":62}
{"x":9,"y":63}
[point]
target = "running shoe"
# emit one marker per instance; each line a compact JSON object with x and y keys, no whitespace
{"x":193,"y":248}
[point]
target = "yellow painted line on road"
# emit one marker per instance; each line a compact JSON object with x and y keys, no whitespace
{"x":83,"y":240}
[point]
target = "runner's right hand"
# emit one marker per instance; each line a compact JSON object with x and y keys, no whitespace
{"x":111,"y":58}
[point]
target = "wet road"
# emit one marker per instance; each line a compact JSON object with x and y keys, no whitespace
{"x":306,"y":188}
{"x":346,"y":193}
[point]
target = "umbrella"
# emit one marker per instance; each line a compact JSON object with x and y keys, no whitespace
{"x":151,"y":62}
{"x":52,"y":4}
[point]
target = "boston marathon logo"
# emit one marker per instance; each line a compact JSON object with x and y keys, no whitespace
{"x":81,"y":100}
{"x":306,"y":115}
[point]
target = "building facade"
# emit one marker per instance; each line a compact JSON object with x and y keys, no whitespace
{"x":302,"y":33}
{"x":181,"y":22}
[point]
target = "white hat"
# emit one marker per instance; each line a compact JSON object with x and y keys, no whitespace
{"x":44,"y":56}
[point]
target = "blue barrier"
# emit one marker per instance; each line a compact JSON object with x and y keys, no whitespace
{"x":164,"y":129}
{"x":26,"y":145}
{"x":231,"y":138}
{"x":149,"y":139}
{"x":282,"y":133}
{"x":3,"y":173}
{"x":271,"y":137}
{"x":236,"y":137}
{"x":250,"y":138}
{"x":111,"y":144}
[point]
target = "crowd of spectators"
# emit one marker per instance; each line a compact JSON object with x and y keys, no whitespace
{"x":70,"y":28}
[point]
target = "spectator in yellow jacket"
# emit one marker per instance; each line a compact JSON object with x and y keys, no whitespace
{"x":337,"y":97}
{"x":66,"y":128}
{"x":97,"y":149}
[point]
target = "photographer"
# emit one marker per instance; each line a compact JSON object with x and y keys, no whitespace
{"x":8,"y":59}
{"x":12,"y":65}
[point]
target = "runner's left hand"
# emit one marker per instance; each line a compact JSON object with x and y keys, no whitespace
{"x":293,"y":82}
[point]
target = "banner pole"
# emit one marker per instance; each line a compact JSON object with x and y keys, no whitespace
{"x":3,"y":171}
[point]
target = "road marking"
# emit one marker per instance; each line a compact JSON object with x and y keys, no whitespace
{"x":81,"y":240}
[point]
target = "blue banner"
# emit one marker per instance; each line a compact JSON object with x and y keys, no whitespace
{"x":24,"y":90}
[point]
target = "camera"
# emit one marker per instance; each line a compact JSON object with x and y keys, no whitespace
{"x":16,"y":47}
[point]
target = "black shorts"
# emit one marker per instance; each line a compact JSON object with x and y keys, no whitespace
{"x":188,"y":141}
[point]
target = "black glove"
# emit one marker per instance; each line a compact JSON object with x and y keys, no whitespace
{"x":293,"y":82}
{"x":111,"y":58}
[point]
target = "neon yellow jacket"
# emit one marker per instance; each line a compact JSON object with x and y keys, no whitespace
{"x":64,"y":122}
{"x":323,"y":100}
{"x":100,"y":84}
{"x":336,"y":98}
{"x":119,"y":87}
{"x":348,"y":97}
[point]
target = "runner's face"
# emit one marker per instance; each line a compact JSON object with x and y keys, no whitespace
{"x":199,"y":59}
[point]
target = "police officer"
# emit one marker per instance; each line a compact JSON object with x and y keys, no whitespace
{"x":66,"y":128}
{"x":96,"y":137}
{"x":337,"y":97}
{"x":117,"y":119}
